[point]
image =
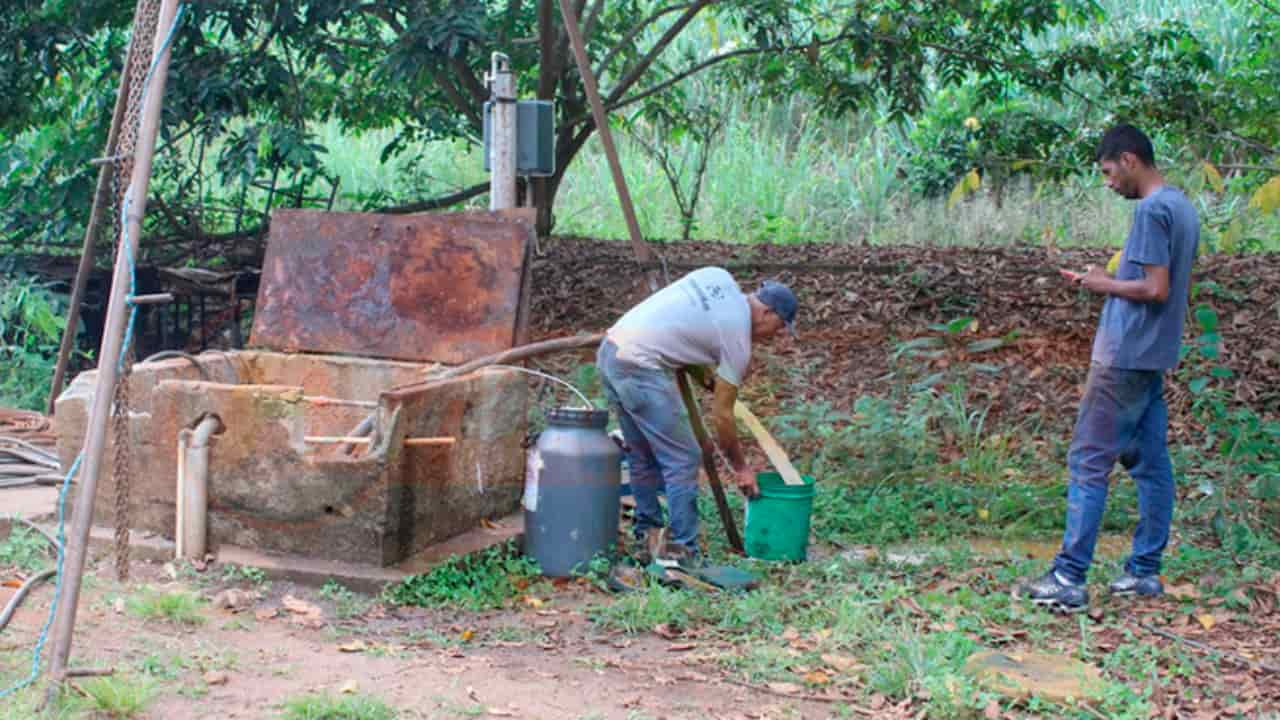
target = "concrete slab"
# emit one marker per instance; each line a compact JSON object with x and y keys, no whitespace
{"x":35,"y":503}
{"x":311,"y":571}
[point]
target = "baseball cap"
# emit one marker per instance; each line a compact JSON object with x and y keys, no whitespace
{"x":779,"y":298}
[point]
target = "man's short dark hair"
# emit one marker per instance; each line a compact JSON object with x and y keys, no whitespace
{"x":1126,"y":139}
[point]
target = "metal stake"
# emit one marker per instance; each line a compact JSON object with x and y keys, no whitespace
{"x":108,"y":355}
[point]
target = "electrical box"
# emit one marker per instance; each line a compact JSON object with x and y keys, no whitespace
{"x":535,"y":137}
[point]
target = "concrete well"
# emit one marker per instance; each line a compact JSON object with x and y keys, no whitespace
{"x":272,"y":490}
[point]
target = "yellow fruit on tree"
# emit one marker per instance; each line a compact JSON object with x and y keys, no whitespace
{"x":1114,"y":263}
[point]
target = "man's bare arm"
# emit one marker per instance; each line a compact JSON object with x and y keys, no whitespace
{"x":1153,"y":288}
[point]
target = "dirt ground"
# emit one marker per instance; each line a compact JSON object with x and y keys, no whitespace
{"x":545,"y":662}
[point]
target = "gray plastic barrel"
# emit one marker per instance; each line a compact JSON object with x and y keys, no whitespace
{"x":571,"y":492}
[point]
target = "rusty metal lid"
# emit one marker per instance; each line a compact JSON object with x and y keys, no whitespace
{"x":429,"y":288}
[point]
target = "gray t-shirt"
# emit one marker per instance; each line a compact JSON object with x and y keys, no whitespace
{"x":701,"y":319}
{"x":1146,"y":336}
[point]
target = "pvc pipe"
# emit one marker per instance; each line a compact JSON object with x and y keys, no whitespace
{"x":502,"y":163}
{"x":193,"y":488}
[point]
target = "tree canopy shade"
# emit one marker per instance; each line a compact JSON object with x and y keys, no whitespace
{"x":251,"y":79}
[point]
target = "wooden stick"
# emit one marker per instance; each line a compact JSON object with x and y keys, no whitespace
{"x":709,"y":463}
{"x":430,"y":441}
{"x":341,"y":439}
{"x":777,"y":456}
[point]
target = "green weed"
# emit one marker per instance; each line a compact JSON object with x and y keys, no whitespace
{"x":235,"y":574}
{"x":327,"y":707}
{"x":26,"y":549}
{"x":181,"y":608}
{"x":347,"y":604}
{"x":479,"y":581}
{"x":116,"y":697}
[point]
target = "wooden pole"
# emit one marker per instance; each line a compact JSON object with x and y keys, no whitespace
{"x":643,"y":254}
{"x":112,"y":342}
{"x":709,"y":463}
{"x":100,"y":200}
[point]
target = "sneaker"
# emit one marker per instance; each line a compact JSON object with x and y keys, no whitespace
{"x":1127,"y":585}
{"x":1054,"y":592}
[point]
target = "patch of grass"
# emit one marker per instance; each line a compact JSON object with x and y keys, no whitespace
{"x":180,"y":608}
{"x":25,"y":549}
{"x":115,"y":697}
{"x":480,"y":581}
{"x":346,"y":602}
{"x":328,"y":707}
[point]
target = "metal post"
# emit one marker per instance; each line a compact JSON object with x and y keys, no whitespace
{"x":643,"y":255}
{"x":100,"y":201}
{"x":502,"y":181}
{"x":109,"y":354}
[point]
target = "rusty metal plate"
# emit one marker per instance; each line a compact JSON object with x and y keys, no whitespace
{"x":430,"y":288}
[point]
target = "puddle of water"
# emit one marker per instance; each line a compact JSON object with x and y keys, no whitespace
{"x":1109,"y":546}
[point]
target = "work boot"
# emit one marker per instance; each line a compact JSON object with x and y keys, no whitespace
{"x":1051,"y":590}
{"x":1129,"y":585}
{"x":649,"y":546}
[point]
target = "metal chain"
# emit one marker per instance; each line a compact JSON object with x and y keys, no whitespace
{"x":136,"y":64}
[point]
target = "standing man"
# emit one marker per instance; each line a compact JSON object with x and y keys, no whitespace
{"x":1123,"y":414}
{"x":701,"y":319}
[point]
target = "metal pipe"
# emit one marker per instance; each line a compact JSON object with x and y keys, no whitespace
{"x":502,"y":182}
{"x":68,"y":599}
{"x":193,"y":488}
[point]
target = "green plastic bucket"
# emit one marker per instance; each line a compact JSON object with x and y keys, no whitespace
{"x":777,"y":526}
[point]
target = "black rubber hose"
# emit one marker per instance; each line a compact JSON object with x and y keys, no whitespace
{"x":14,"y":601}
{"x":165,"y":354}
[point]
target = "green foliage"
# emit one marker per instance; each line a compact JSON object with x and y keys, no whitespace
{"x":327,"y":707}
{"x":31,"y":321}
{"x":1240,"y":485}
{"x":479,"y":581}
{"x":26,"y":549}
{"x":232,"y":573}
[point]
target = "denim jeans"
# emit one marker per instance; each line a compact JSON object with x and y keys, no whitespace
{"x":1122,"y":417}
{"x":663,"y":448}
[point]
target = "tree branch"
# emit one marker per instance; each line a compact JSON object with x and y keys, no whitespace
{"x":640,"y":67}
{"x":467,"y":79}
{"x":437,"y":203}
{"x":633,"y":32}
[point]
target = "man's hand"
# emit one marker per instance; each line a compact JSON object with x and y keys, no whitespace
{"x":746,"y":479}
{"x":1095,"y":279}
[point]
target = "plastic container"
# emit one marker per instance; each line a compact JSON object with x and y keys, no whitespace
{"x":777,"y":525}
{"x":571,"y":493}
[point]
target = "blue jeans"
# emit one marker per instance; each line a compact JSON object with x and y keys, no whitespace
{"x":1122,"y":417}
{"x":663,"y":448}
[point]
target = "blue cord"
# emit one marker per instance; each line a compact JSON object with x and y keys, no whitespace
{"x":124,"y":348}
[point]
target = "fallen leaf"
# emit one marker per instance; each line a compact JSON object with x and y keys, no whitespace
{"x":817,"y":677}
{"x":784,"y":688}
{"x":348,"y":687}
{"x":299,"y":607}
{"x":471,"y":693}
{"x":1207,"y":621}
{"x":216,"y":678}
{"x":467,"y":635}
{"x":790,"y":634}
{"x":681,"y":647}
{"x":499,"y":712}
{"x":118,"y":606}
{"x":354,"y":646}
{"x":843,"y":663}
{"x":666,"y":631}
{"x":533,"y":602}
{"x":266,"y":613}
{"x":13,"y":583}
{"x":1186,"y":591}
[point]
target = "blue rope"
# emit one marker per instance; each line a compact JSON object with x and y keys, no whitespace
{"x":124,"y":348}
